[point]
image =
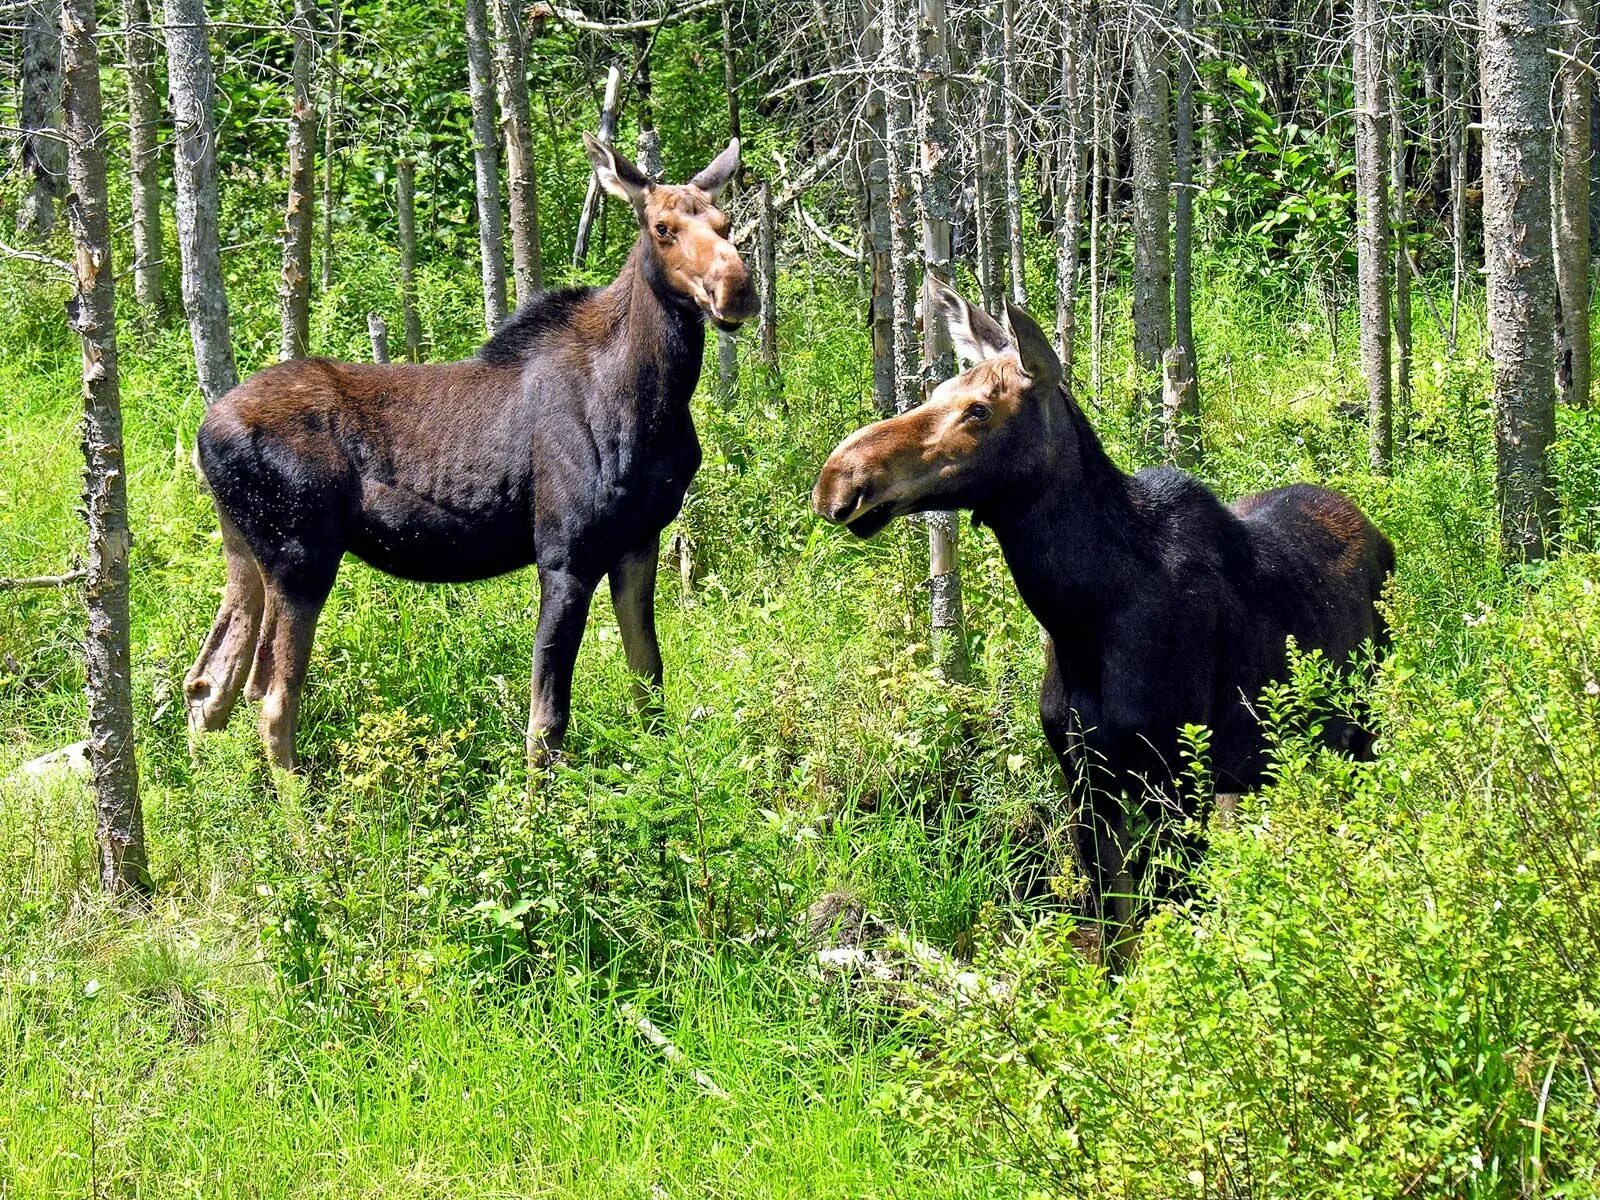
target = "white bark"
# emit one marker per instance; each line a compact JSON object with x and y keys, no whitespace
{"x":1369,"y":65}
{"x":486,"y":164}
{"x":1150,"y":137}
{"x":193,"y":93}
{"x":1515,"y":72}
{"x":1572,"y":200}
{"x":511,"y":79}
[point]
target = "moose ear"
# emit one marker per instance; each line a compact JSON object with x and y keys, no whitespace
{"x":616,"y":173}
{"x":1034,"y":351}
{"x":976,"y":335}
{"x":720,"y":173}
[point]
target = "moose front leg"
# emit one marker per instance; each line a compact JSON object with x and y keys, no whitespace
{"x":563,"y":612}
{"x":633,"y":596}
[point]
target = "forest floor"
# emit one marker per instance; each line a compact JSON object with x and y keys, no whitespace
{"x":399,"y":975}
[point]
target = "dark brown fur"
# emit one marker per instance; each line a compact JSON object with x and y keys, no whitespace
{"x":566,"y":442}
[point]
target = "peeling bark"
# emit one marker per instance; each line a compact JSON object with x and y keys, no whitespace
{"x":1572,"y":201}
{"x":294,"y":286}
{"x":119,"y":821}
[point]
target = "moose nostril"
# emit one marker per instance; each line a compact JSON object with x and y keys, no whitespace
{"x":844,"y":507}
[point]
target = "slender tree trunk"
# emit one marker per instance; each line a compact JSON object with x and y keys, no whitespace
{"x":1456,"y":106}
{"x":1180,"y":431}
{"x":1019,"y":259}
{"x":648,"y":158}
{"x":119,"y":822}
{"x":874,"y":167}
{"x":768,"y":271}
{"x":486,"y":162}
{"x":902,"y":202}
{"x":1071,"y":161}
{"x":938,"y":203}
{"x":727,"y":344}
{"x":1372,"y":225}
{"x":193,"y":95}
{"x":994,"y":239}
{"x":511,"y":77}
{"x":144,"y":127}
{"x":1150,"y":135}
{"x":294,"y":289}
{"x":594,"y":198}
{"x":39,"y":149}
{"x":329,"y":124}
{"x":406,"y":202}
{"x":1399,"y":223}
{"x":378,"y":335}
{"x":1572,"y":201}
{"x":1517,"y":242}
{"x":1188,"y":413}
{"x":1097,"y":209}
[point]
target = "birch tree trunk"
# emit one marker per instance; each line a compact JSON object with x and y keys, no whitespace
{"x":406,"y":203}
{"x":1399,"y":222}
{"x":648,"y":143}
{"x":192,"y":89}
{"x":1455,"y":90}
{"x":1071,"y":161}
{"x":873,"y":160}
{"x":1572,"y":201}
{"x":989,"y":187}
{"x":119,"y":821}
{"x":767,"y":269}
{"x":594,"y":198}
{"x":1019,"y":260}
{"x":1097,"y":206}
{"x":1187,"y":415}
{"x":486,"y":165}
{"x":330,"y":120}
{"x":294,"y":288}
{"x":39,"y":149}
{"x":938,"y":196}
{"x":1150,"y":138}
{"x":144,"y":127}
{"x":511,"y":78}
{"x":1515,"y":72}
{"x":902,"y":207}
{"x":1372,"y":225}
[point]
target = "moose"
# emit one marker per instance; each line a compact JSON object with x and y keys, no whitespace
{"x":566,"y":442}
{"x":1162,"y":606}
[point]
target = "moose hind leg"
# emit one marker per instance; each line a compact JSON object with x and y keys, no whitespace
{"x":282,"y":655}
{"x":212,"y":686}
{"x":633,"y":596}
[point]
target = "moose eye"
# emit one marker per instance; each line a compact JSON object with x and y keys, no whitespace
{"x":661,"y":229}
{"x":977,"y":412}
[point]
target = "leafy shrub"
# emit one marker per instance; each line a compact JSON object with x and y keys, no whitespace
{"x":1390,"y":986}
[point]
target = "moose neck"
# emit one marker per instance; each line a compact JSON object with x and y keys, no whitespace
{"x":1074,"y":547}
{"x":664,"y":331}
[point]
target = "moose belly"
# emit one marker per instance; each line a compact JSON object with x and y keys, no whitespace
{"x":411,"y":536}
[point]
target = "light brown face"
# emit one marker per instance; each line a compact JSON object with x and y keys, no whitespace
{"x":688,"y":232}
{"x":980,"y":441}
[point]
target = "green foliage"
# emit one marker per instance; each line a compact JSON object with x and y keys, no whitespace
{"x":1389,"y":988}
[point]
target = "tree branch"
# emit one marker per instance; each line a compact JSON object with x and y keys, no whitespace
{"x":44,"y":581}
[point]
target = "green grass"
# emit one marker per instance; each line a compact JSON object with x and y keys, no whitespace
{"x":400,"y":976}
